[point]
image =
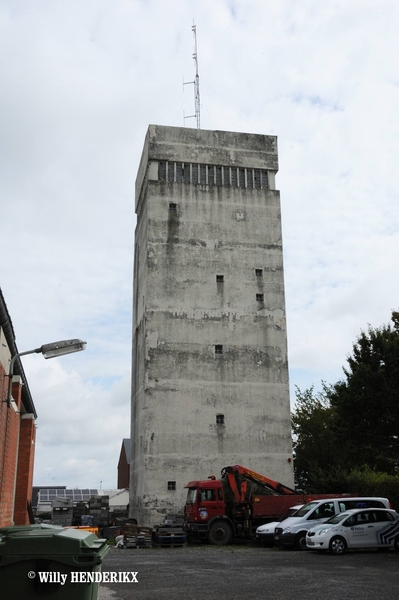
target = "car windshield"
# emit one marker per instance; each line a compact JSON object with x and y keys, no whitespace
{"x":305,"y":509}
{"x":290,"y":513}
{"x":337,"y":518}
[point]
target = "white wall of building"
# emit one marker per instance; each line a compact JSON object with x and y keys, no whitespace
{"x":187,"y":234}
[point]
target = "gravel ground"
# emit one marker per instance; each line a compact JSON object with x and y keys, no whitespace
{"x":250,"y":573}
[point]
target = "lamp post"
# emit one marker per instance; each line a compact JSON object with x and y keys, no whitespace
{"x":49,"y":351}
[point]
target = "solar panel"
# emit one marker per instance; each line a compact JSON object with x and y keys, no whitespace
{"x":47,"y":495}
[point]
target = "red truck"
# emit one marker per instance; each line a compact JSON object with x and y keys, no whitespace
{"x":223,"y":510}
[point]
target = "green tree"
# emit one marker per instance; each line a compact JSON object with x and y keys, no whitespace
{"x":366,"y":403}
{"x":351,"y":429}
{"x":314,"y":444}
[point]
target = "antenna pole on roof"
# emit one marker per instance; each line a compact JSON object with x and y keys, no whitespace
{"x":196,"y":81}
{"x":197,"y":115}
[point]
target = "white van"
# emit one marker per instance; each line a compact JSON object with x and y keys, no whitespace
{"x":292,"y":531}
{"x":265,"y":533}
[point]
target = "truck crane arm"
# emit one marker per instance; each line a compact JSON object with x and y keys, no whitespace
{"x":271,"y":484}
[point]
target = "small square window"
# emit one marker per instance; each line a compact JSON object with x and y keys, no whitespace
{"x":259,"y":272}
{"x":259,"y":297}
{"x":171,"y":486}
{"x":219,"y":278}
{"x":218,"y":349}
{"x":172,"y":207}
{"x":219,"y":419}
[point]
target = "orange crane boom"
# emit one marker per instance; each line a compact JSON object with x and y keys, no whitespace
{"x":275,"y":486}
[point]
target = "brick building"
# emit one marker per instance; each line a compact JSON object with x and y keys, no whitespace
{"x":124,"y":465}
{"x":17,"y":432}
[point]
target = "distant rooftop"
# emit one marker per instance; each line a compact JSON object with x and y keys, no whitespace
{"x":126,"y":444}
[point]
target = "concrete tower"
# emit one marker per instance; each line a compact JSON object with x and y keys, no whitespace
{"x":210,"y":371}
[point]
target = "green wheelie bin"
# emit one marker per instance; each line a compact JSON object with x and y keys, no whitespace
{"x":45,"y":561}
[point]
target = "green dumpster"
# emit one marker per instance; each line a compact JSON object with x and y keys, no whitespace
{"x":51,"y":562}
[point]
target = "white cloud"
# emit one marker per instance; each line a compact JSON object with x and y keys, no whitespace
{"x":80,"y":84}
{"x":80,"y":427}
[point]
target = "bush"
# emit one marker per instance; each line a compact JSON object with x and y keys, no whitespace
{"x":364,"y":482}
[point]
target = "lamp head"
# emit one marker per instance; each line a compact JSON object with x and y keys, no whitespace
{"x":61,"y":348}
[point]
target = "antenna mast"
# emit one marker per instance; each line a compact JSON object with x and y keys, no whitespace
{"x":196,"y":83}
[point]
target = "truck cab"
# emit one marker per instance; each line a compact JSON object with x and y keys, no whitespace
{"x":205,"y":505}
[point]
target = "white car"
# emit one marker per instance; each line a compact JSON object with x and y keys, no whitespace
{"x":265,"y":533}
{"x":291,"y":533}
{"x":358,"y":528}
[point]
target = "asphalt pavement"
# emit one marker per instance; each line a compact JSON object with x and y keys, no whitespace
{"x":204,"y":572}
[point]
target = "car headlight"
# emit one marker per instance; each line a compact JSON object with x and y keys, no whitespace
{"x":287,"y":530}
{"x":323,"y":531}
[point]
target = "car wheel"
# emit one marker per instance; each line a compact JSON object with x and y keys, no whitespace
{"x":396,"y":544}
{"x":300,"y":541}
{"x":337,"y":545}
{"x":220,"y":533}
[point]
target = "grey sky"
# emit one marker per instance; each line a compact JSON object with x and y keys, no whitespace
{"x":81,"y":81}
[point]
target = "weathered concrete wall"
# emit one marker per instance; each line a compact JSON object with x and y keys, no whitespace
{"x":188,"y":233}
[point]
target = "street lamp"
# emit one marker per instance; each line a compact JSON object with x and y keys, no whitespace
{"x":49,"y":351}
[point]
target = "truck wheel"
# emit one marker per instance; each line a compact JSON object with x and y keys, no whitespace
{"x":220,"y":533}
{"x":337,"y":545}
{"x":300,"y":541}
